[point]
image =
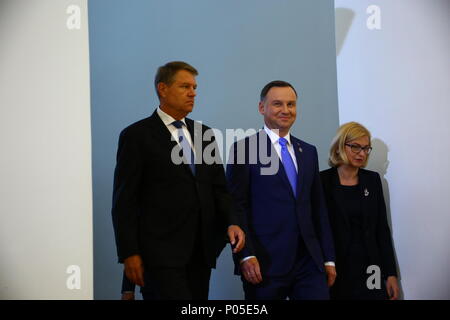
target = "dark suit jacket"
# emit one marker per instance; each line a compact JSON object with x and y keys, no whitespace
{"x":158,"y":206}
{"x":377,"y":235}
{"x":276,"y":218}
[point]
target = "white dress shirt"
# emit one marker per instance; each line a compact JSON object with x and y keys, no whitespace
{"x":275,"y":139}
{"x":168,"y":120}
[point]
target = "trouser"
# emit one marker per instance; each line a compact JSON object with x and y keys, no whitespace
{"x":304,"y":282}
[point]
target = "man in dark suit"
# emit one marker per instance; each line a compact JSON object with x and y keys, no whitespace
{"x":274,"y":180}
{"x":171,"y":210}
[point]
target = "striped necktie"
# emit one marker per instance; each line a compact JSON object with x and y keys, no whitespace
{"x":188,"y":154}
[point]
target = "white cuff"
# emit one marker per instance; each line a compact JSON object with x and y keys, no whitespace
{"x":246,"y":258}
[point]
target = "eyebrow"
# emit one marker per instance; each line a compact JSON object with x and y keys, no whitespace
{"x":357,"y":144}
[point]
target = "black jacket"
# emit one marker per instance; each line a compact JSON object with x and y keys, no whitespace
{"x":376,"y":233}
{"x":158,"y":206}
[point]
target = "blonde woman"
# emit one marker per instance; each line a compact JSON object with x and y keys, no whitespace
{"x":358,"y":220}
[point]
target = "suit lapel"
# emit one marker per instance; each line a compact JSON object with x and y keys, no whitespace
{"x":195,"y":133}
{"x":365,"y":195}
{"x":299,"y":159}
{"x":337,"y":194}
{"x":160,"y":131}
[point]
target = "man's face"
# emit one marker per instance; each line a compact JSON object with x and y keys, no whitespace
{"x":179,"y":97}
{"x":279,"y":108}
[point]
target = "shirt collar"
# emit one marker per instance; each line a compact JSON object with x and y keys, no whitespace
{"x":167,"y":119}
{"x":274,"y":137}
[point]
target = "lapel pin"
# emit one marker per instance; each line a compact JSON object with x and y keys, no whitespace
{"x":366,"y":192}
{"x":300,"y":149}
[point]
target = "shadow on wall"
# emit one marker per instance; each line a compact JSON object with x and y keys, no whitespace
{"x":379,"y":158}
{"x":232,"y":287}
{"x":379,"y":162}
{"x":343,"y":20}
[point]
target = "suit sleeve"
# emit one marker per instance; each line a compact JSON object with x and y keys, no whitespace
{"x":127,"y":285}
{"x":222,"y":198}
{"x":238,"y":178}
{"x":384,"y":237}
{"x":125,"y":209}
{"x":225,"y":215}
{"x":320,"y":215}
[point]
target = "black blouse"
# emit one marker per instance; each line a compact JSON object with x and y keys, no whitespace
{"x":350,"y":204}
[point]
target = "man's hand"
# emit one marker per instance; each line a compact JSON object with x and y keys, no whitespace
{"x":127,"y":296}
{"x":331,"y":275}
{"x":251,"y":271}
{"x":235,"y":232}
{"x":134,"y":269}
{"x":392,"y":288}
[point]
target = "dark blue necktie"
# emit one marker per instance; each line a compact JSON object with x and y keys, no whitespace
{"x":288,"y":164}
{"x":188,"y":154}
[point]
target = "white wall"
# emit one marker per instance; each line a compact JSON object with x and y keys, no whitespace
{"x":395,"y":80}
{"x":45,"y":162}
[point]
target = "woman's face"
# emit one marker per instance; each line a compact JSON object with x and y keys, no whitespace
{"x":357,"y":158}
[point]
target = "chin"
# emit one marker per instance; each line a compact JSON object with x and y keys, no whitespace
{"x":287,"y":123}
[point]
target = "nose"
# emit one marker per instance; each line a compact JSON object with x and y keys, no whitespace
{"x":285,"y":109}
{"x":192,"y":92}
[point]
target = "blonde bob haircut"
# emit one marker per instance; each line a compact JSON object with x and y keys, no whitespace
{"x":346,"y":133}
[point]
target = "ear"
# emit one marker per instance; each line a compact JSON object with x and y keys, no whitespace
{"x":261,"y":108}
{"x":162,"y":89}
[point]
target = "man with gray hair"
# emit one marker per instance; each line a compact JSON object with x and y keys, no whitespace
{"x":171,"y":218}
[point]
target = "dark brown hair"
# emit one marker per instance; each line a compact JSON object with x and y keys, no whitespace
{"x":275,"y":83}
